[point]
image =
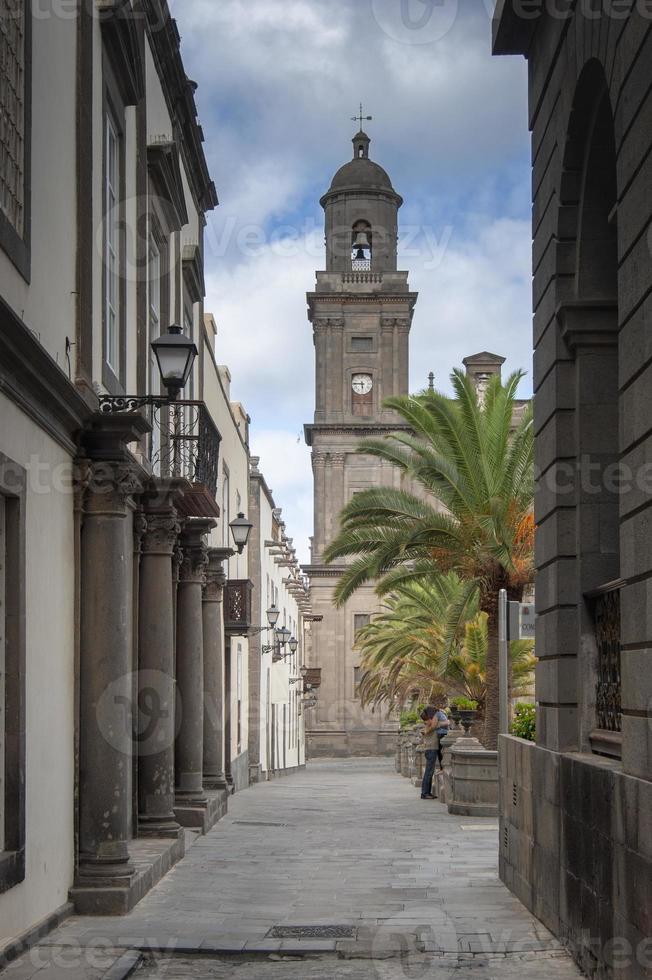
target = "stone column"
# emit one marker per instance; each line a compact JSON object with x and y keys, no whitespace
{"x":339,"y":396}
{"x":190,"y":664}
{"x":213,"y":626}
{"x":105,"y":749}
{"x":320,"y":331}
{"x":387,"y":331}
{"x":156,"y":685}
{"x":227,"y":716}
{"x":319,"y":471}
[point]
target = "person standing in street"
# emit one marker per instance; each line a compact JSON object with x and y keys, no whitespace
{"x":431,"y":745}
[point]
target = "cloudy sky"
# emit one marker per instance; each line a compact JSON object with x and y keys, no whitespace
{"x":279,"y":81}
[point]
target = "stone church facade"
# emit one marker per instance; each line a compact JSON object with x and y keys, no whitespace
{"x":361,"y":312}
{"x":575,"y":810}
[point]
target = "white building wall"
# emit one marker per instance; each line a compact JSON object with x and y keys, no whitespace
{"x":230,"y":419}
{"x":50,"y":675}
{"x":281,"y":729}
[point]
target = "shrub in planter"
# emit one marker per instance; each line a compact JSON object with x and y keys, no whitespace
{"x":464,"y":704}
{"x":525,"y":722}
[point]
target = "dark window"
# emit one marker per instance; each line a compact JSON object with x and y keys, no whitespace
{"x":15,"y":132}
{"x":360,"y":620}
{"x":114,"y":232}
{"x":12,"y":676}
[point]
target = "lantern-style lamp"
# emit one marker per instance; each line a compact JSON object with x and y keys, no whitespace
{"x":293,"y":645}
{"x":240,"y":530}
{"x":282,"y":635}
{"x":175,"y":355}
{"x":272,"y":616}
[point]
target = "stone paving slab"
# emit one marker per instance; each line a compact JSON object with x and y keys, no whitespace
{"x":356,"y":847}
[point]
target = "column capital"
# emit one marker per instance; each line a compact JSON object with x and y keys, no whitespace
{"x":338,"y":458}
{"x":107,"y":486}
{"x":162,"y":532}
{"x":588,"y":323}
{"x":387,"y":323}
{"x":215,"y":574}
{"x":337,"y":322}
{"x":319,"y":459}
{"x":194,"y":564}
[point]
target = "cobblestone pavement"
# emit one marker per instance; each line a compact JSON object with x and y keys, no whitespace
{"x":344,"y":844}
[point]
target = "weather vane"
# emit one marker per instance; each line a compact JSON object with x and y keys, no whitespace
{"x":361,"y":118}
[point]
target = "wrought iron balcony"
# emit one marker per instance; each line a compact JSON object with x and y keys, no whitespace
{"x":237,"y":607}
{"x":184,"y":444}
{"x":312,"y":679}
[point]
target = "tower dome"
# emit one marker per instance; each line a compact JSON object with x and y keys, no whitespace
{"x":361,"y":208}
{"x":361,"y":173}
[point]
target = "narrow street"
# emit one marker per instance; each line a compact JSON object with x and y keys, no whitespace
{"x":347,"y":846}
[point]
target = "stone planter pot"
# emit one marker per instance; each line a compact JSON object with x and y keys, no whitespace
{"x":474,"y":784}
{"x":466,"y":720}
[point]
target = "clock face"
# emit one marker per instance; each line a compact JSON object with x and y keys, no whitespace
{"x":361,"y":384}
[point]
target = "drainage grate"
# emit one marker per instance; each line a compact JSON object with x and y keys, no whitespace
{"x":311,"y":932}
{"x":256,"y":823}
{"x":515,"y":794}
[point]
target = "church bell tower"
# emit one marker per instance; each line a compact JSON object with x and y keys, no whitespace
{"x":361,"y":313}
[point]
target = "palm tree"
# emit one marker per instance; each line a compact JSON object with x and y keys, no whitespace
{"x":472,"y":467}
{"x":405,"y":649}
{"x":467,"y":667}
{"x":423,"y":645}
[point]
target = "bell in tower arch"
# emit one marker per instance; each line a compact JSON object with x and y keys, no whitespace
{"x":361,"y":252}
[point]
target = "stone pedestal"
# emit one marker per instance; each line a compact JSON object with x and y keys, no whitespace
{"x":419,"y":764}
{"x":190,"y":672}
{"x":213,"y":627}
{"x":447,"y":743}
{"x":156,"y":685}
{"x":474,"y":779}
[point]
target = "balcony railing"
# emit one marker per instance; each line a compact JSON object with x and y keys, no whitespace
{"x":237,"y":607}
{"x":607,"y":738}
{"x":312,"y":680}
{"x":361,"y":277}
{"x":184,"y":442}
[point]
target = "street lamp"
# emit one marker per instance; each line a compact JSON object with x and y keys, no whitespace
{"x":272,"y":615}
{"x":175,"y":355}
{"x":294,"y":645}
{"x":282,"y":635}
{"x":241,"y":529}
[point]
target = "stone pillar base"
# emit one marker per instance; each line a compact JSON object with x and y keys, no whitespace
{"x":255,"y":773}
{"x":204,"y":814}
{"x":157,"y":828}
{"x":474,"y":780}
{"x":152,"y":859}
